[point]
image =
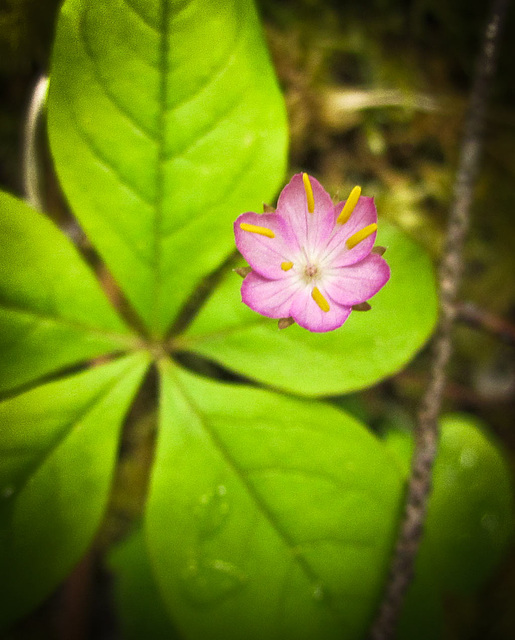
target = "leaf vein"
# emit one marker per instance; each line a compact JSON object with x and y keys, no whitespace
{"x":106,"y":163}
{"x":214,"y":74}
{"x":140,"y":16}
{"x":341,"y":542}
{"x":63,"y":435}
{"x":124,"y":340}
{"x":308,"y":474}
{"x":142,"y":129}
{"x":160,"y":177}
{"x":191,"y":221}
{"x":206,"y":131}
{"x":109,"y":168}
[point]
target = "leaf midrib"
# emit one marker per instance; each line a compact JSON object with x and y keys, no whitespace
{"x":127,"y":340}
{"x":67,"y":430}
{"x":160,"y":169}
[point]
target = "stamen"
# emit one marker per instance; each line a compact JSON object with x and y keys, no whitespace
{"x":320,"y":300}
{"x":286,"y":266}
{"x":309,"y":193}
{"x":361,"y":235}
{"x":349,"y":206}
{"x":254,"y":228}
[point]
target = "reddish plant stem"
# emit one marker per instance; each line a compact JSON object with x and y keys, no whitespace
{"x":73,"y":616}
{"x":426,"y":437}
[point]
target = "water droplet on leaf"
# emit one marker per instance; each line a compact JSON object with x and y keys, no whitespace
{"x":212,"y":511}
{"x":207,"y":582}
{"x":318,"y":592}
{"x":490,"y":522}
{"x":7,"y":492}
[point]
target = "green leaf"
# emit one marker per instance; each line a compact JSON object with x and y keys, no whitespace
{"x":58,"y":444}
{"x":165,"y":123}
{"x":370,"y":346}
{"x":268,"y":517}
{"x":423,"y":612}
{"x":471,"y":510}
{"x":140,"y":608}
{"x":52,"y":310}
{"x":469,"y":520}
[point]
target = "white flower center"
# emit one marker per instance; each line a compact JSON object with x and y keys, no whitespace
{"x":311,"y":272}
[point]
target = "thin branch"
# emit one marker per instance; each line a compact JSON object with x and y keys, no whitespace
{"x":474,"y":316}
{"x":426,"y":437}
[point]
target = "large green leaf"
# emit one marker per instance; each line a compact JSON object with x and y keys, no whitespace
{"x":268,"y":517}
{"x":166,"y":122}
{"x":52,"y":311}
{"x":58,"y":444}
{"x":367,"y":348}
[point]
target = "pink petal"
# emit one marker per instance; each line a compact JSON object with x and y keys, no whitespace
{"x":310,"y":229}
{"x":336,"y":253}
{"x":306,"y":312}
{"x":271,"y":298}
{"x":357,"y":282}
{"x":264,"y":254}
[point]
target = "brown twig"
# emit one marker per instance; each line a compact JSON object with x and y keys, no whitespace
{"x":475,"y":317}
{"x":426,"y":437}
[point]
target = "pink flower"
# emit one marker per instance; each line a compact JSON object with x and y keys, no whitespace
{"x":311,"y":260}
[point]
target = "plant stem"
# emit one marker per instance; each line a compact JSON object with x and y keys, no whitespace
{"x":476,"y":317}
{"x":426,"y":437}
{"x":31,"y":168}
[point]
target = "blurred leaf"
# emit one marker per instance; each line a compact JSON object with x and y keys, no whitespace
{"x":423,"y":613}
{"x":165,"y":123}
{"x":268,"y":517}
{"x":140,"y":608}
{"x":469,"y":519}
{"x":370,"y":345}
{"x":58,"y":444}
{"x":52,"y":311}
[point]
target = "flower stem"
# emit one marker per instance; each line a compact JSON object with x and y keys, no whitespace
{"x":31,"y":161}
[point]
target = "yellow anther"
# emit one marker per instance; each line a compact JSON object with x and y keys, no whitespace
{"x":349,"y":206}
{"x":254,"y":228}
{"x":286,"y":266}
{"x":309,"y":192}
{"x":360,"y":235}
{"x":320,"y":300}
